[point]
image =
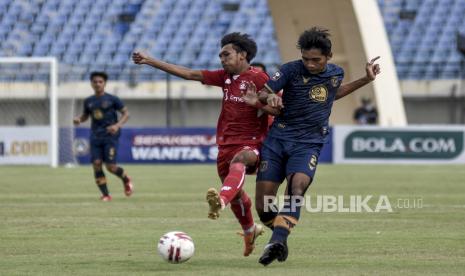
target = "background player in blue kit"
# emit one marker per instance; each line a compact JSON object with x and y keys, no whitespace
{"x":105,"y":131}
{"x":297,"y":135}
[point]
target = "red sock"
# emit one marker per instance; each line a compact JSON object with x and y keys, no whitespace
{"x":233,"y":182}
{"x":242,"y":209}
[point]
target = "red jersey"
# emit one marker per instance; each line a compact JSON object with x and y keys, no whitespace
{"x":239,"y":122}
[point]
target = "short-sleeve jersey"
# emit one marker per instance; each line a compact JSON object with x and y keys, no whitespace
{"x":307,"y":99}
{"x":238,"y":122}
{"x":103,"y":112}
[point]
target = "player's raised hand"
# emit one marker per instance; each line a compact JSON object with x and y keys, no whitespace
{"x":77,"y":121}
{"x":372,"y":69}
{"x":113,"y":129}
{"x":140,"y":57}
{"x":274,"y":100}
{"x":250,"y":96}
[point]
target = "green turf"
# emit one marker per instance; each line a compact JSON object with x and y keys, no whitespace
{"x":53,"y":224}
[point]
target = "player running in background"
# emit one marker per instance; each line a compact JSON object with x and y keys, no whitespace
{"x":240,"y":131}
{"x":293,"y":144}
{"x":105,"y":131}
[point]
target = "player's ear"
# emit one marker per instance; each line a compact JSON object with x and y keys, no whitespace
{"x":243,"y":54}
{"x":330,"y":55}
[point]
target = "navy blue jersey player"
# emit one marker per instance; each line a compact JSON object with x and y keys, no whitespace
{"x":291,"y":150}
{"x":103,"y":109}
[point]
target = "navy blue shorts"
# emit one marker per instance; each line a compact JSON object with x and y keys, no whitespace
{"x":280,"y":158}
{"x":104,"y":149}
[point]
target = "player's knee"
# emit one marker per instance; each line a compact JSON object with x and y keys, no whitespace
{"x":97,"y":164}
{"x":300,"y":185}
{"x":239,"y":159}
{"x":111,"y":167}
{"x":245,"y":157}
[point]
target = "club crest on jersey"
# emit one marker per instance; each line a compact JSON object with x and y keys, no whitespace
{"x":335,"y":81}
{"x":312,"y":163}
{"x":277,"y":76}
{"x":319,"y":93}
{"x":227,"y":81}
{"x":97,"y":114}
{"x":243,"y":85}
{"x":263,"y":166}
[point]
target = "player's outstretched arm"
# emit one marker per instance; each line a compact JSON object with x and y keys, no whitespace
{"x":179,"y":71}
{"x":372,"y":69}
{"x":80,"y":119}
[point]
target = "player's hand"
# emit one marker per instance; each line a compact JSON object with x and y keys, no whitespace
{"x":274,"y":100}
{"x":77,"y":121}
{"x":113,"y":129}
{"x":250,"y":96}
{"x":372,"y":69}
{"x":140,"y":57}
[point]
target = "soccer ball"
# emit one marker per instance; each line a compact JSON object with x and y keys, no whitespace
{"x":176,"y":247}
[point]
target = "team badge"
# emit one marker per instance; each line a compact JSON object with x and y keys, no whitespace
{"x":277,"y":76}
{"x":305,"y":80}
{"x":263,"y":166}
{"x":335,"y":81}
{"x":319,"y":93}
{"x":227,"y":81}
{"x":312,"y":163}
{"x":243,"y":85}
{"x":97,"y":114}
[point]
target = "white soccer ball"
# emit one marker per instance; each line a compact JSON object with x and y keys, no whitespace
{"x":176,"y":247}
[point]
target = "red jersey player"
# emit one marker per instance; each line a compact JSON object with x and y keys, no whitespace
{"x":240,"y":130}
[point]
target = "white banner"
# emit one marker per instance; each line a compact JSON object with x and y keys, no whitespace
{"x":426,"y":144}
{"x":25,"y":145}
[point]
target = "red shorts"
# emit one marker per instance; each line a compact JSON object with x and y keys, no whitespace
{"x":227,"y":153}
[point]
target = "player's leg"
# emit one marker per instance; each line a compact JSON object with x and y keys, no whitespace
{"x":232,"y":173}
{"x":96,"y":152}
{"x":234,"y":181}
{"x":110,"y":154}
{"x":300,"y":169}
{"x":271,"y":174}
{"x":232,"y":163}
{"x":265,"y":192}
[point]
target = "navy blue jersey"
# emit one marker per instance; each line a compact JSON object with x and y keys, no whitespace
{"x":103,"y":111}
{"x":307,"y":99}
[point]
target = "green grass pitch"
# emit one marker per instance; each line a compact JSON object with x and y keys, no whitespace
{"x":52,"y":223}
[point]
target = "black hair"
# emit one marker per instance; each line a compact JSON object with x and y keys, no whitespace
{"x":315,"y":38}
{"x":259,"y":64}
{"x":241,"y":43}
{"x":98,"y":74}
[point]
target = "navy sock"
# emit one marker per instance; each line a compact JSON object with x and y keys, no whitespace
{"x":120,"y":173}
{"x":101,"y":181}
{"x":285,"y":221}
